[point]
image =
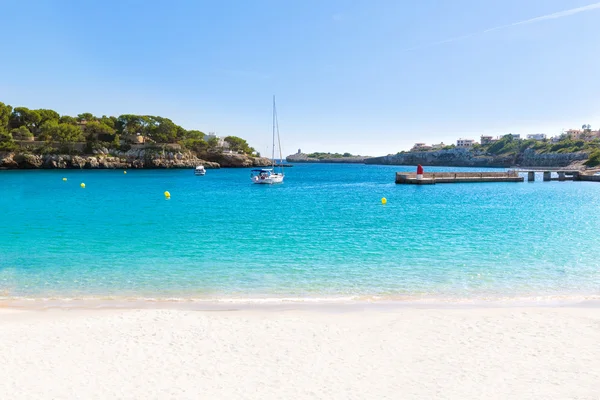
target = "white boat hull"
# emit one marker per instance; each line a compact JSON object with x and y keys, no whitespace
{"x":268,"y":180}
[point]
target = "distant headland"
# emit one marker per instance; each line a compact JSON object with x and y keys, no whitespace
{"x":43,"y":138}
{"x":347,"y":158}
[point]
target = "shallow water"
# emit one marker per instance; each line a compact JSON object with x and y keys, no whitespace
{"x":323,"y":234}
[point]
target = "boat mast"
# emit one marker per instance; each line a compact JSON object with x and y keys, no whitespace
{"x":273,"y":146}
{"x":279,"y":141}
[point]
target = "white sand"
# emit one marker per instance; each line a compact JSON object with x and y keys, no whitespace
{"x":504,"y":353}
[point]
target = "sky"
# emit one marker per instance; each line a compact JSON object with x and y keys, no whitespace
{"x":369,"y":77}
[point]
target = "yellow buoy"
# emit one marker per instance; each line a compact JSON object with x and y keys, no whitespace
{"x":124,"y":172}
{"x":82,"y":185}
{"x":64,"y":179}
{"x":167,"y":195}
{"x":383,"y":200}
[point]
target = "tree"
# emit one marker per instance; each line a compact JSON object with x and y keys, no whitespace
{"x":129,"y":124}
{"x":100,"y":131}
{"x":213,"y":143}
{"x":194,"y":134}
{"x":48,"y":130}
{"x":63,"y":133}
{"x":22,"y":116}
{"x":65,"y":119}
{"x":86,"y":117}
{"x":197,"y":145}
{"x":237,"y":144}
{"x":5,"y":113}
{"x":21,"y":133}
{"x":7,"y":142}
{"x":110,"y":121}
{"x":161,"y":130}
{"x":47,"y":115}
{"x":67,"y":133}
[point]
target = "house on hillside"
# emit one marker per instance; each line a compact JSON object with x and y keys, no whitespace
{"x":220,"y":140}
{"x":486,"y":139}
{"x":537,"y":136}
{"x":465,"y":143}
{"x":574,"y":133}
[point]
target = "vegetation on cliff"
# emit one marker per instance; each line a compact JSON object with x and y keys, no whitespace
{"x":21,"y":124}
{"x":510,"y":146}
{"x":323,"y":156}
{"x":594,"y":159}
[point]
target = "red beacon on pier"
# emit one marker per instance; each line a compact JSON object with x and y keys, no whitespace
{"x":419,"y":172}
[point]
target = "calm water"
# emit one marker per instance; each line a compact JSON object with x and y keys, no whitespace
{"x":322,"y":234}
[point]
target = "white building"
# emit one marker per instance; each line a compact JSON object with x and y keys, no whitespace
{"x":537,"y":136}
{"x":438,"y":146}
{"x":465,"y":142}
{"x":220,"y":141}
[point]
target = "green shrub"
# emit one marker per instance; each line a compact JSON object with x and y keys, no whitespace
{"x":594,"y":159}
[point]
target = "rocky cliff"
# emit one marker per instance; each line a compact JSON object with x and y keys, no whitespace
{"x":530,"y":158}
{"x":228,"y":160}
{"x":131,"y":159}
{"x":466,"y":158}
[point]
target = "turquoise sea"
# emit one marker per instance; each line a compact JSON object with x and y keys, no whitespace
{"x":323,"y":234}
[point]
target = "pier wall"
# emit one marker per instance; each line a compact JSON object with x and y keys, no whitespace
{"x":589,"y":178}
{"x":458,"y":177}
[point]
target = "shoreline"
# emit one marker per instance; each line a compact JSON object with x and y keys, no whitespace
{"x":309,"y":304}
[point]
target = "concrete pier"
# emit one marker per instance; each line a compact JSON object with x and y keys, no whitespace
{"x":547,"y":176}
{"x":562,"y":175}
{"x":431,"y":178}
{"x":588,"y":178}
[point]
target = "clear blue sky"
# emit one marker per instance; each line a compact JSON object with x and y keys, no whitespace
{"x":369,"y":77}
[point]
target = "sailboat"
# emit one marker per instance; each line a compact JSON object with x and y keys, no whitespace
{"x":268,"y":176}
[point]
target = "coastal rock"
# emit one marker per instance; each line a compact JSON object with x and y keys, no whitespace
{"x":77,"y":162}
{"x":233,"y":160}
{"x":261,"y":162}
{"x":300,"y":158}
{"x":91,"y":162}
{"x":28,"y":161}
{"x":135,"y":158}
{"x":7,"y":161}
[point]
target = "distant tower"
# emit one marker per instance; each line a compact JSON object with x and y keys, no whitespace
{"x":299,"y":151}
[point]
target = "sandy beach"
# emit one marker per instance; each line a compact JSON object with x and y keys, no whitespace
{"x":403,"y":353}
